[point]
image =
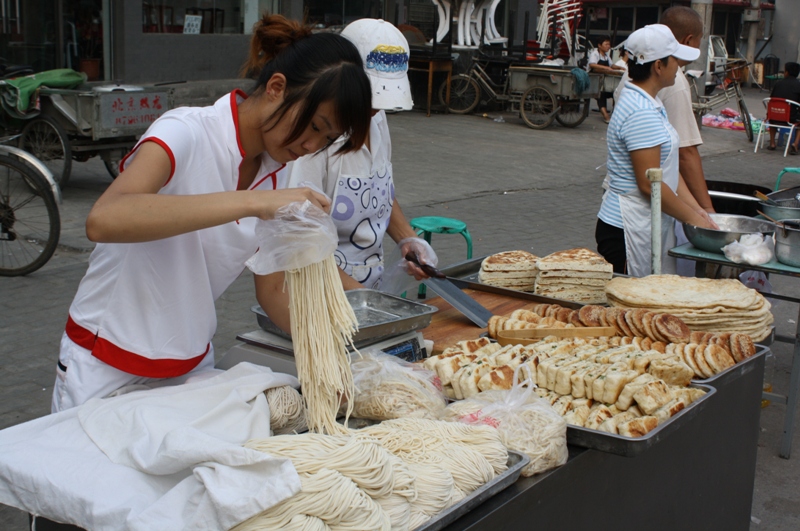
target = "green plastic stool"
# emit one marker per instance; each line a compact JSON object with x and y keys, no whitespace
{"x":778,"y":182}
{"x":427,"y":225}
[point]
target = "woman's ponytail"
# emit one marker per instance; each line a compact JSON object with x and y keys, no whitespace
{"x":271,"y":35}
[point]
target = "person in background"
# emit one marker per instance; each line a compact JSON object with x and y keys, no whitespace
{"x":175,"y":229}
{"x":600,"y":63}
{"x":687,"y":27}
{"x":360,"y":183}
{"x":788,"y":88}
{"x":623,"y":59}
{"x":639,"y":138}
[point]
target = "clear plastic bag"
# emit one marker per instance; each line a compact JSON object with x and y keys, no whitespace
{"x":396,"y":279}
{"x":388,"y":387}
{"x":526,"y":423}
{"x":299,"y":235}
{"x":752,"y":249}
{"x":756,"y":280}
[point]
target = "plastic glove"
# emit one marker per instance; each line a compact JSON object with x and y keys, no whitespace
{"x":424,"y":252}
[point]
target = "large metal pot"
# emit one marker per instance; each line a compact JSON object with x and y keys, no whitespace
{"x":787,"y":242}
{"x":786,"y":209}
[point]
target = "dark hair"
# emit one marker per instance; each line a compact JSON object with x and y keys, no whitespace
{"x":793,"y":69}
{"x":601,"y":39}
{"x":682,"y":21}
{"x":642,"y":72}
{"x":319,"y":67}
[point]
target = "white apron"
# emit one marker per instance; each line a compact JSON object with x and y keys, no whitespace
{"x":635,"y":210}
{"x":362,"y":206}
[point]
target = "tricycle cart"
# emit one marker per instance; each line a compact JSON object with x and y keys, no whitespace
{"x":94,"y":119}
{"x":545,"y":93}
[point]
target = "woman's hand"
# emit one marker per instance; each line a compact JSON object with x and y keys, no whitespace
{"x":424,"y":252}
{"x":703,"y":220}
{"x":266,"y":203}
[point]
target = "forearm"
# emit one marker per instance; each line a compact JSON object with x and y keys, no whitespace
{"x":673,"y":205}
{"x":691,"y":168}
{"x":399,"y":228}
{"x":129,"y":218}
{"x":685,"y":194}
{"x":349,"y":282}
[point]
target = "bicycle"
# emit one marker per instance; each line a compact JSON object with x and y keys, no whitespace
{"x":732,"y":90}
{"x":30,"y":223}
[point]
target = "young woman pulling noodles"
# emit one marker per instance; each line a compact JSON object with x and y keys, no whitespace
{"x":176,"y":227}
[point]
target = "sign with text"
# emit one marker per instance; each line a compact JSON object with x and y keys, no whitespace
{"x":192,"y":23}
{"x":131,"y":112}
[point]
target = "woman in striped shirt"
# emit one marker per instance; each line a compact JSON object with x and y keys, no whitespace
{"x":639,"y":138}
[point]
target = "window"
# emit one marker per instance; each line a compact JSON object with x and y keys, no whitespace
{"x":218,"y":16}
{"x":621,"y":19}
{"x":331,"y":13}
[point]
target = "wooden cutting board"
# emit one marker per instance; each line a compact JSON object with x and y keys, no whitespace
{"x":448,"y":325}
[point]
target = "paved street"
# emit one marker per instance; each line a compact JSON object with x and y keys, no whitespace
{"x":515,"y":187}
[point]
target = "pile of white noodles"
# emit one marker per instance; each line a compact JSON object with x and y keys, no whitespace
{"x":286,"y":410}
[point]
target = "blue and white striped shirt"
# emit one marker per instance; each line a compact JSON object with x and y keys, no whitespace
{"x":639,"y":121}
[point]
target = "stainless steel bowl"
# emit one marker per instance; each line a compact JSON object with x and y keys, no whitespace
{"x":732,"y":228}
{"x":787,"y":242}
{"x":786,"y":209}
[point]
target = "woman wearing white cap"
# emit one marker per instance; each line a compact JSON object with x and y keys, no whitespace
{"x":364,"y":207}
{"x":639,"y":138}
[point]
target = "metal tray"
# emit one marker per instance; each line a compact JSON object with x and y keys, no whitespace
{"x":516,"y":462}
{"x":733,"y":373}
{"x":379,"y":315}
{"x":633,"y":446}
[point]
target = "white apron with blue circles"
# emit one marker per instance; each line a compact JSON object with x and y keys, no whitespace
{"x":362,"y":206}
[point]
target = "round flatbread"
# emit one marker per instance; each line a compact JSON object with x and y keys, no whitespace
{"x":590,"y":315}
{"x":718,"y":358}
{"x":660,"y":346}
{"x":575,"y":319}
{"x":622,"y":322}
{"x":702,"y":364}
{"x":742,"y":346}
{"x":688,"y":358}
{"x":671,"y":328}
{"x":563,"y":314}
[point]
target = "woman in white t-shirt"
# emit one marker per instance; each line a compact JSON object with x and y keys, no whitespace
{"x":639,"y":138}
{"x":176,"y":227}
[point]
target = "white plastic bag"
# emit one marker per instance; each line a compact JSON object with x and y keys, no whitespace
{"x":752,"y":249}
{"x":757,"y":281}
{"x":299,"y":235}
{"x":526,"y":423}
{"x":388,"y":387}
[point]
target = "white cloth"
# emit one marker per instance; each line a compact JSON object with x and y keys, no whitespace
{"x":151,"y":304}
{"x":677,"y":100}
{"x":361,"y":188}
{"x":165,"y":459}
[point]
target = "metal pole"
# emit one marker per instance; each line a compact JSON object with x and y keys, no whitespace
{"x":654,"y":176}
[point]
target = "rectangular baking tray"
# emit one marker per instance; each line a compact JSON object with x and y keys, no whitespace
{"x":733,"y":373}
{"x":633,"y":446}
{"x":380,"y":316}
{"x":516,"y":462}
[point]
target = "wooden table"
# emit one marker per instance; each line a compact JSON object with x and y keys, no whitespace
{"x":430,"y":65}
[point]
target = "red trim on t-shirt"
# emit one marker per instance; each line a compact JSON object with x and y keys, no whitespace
{"x":163,"y":145}
{"x":235,"y":112}
{"x":273,"y":176}
{"x":127,"y":361}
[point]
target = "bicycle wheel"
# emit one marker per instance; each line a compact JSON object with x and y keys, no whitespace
{"x":572,"y":113}
{"x":465,"y":93}
{"x":29,"y":221}
{"x":537,"y":107}
{"x":48,"y":141}
{"x":746,"y":121}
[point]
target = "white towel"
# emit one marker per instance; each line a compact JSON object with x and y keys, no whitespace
{"x":163,"y":459}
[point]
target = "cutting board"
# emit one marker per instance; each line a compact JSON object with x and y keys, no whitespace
{"x":448,"y":325}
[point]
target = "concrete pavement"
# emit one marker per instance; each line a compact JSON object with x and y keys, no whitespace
{"x":515,"y":187}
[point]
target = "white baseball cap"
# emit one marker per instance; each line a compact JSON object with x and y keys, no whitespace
{"x":384,"y":50}
{"x":656,"y":41}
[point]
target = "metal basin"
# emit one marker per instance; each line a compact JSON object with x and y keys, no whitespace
{"x":786,"y":209}
{"x":787,"y":242}
{"x":732,"y":228}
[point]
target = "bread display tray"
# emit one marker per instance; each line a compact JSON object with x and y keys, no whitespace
{"x":380,"y":316}
{"x":734,"y":372}
{"x":516,"y":462}
{"x":633,"y":446}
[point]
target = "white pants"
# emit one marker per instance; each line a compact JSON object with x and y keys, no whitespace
{"x":80,"y":376}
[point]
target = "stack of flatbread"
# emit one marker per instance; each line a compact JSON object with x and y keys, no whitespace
{"x":578,"y":275}
{"x":707,"y":305}
{"x":509,"y":269}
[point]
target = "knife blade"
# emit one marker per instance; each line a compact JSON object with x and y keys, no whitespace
{"x":462,"y":302}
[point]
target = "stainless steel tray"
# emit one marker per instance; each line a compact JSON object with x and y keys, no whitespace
{"x":379,"y":315}
{"x":516,"y":462}
{"x":732,"y":373}
{"x":630,"y":446}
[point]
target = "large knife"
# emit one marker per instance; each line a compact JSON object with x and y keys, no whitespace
{"x":451,"y":293}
